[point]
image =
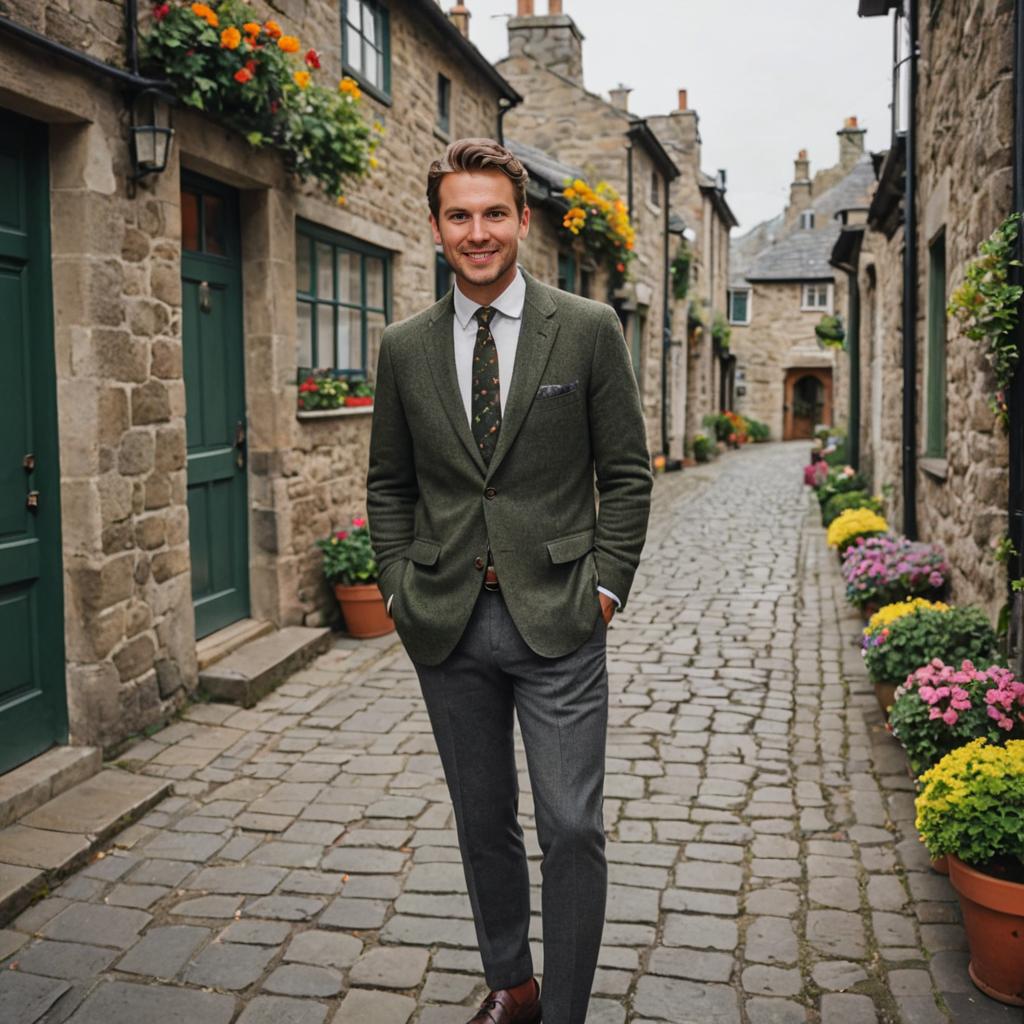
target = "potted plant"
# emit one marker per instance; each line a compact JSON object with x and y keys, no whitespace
{"x":830,"y":332}
{"x":849,"y":499}
{"x":852,"y":524}
{"x":838,"y":480}
{"x":351,"y":569}
{"x":902,"y":637}
{"x":880,"y":570}
{"x":703,"y":449}
{"x":971,"y":808}
{"x":600,"y":218}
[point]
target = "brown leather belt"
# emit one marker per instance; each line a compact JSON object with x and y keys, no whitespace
{"x":490,"y":579}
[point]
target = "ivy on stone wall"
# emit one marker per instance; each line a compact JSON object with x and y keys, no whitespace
{"x":254,"y":78}
{"x":987,"y":305}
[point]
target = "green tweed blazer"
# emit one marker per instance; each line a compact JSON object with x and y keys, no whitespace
{"x":435,"y":508}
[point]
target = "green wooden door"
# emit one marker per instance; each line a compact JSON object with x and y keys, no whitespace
{"x":33,"y":711}
{"x":215,"y":403}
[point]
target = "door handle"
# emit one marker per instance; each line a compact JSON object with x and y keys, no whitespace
{"x":32,"y":501}
{"x":240,"y":444}
{"x":205,"y":304}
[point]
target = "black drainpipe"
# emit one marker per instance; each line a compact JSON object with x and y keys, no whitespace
{"x":1015,"y":566}
{"x":910,"y":293}
{"x":853,"y":351}
{"x":666,"y":331}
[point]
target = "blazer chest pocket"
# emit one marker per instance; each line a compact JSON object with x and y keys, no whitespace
{"x":423,"y":552}
{"x":557,"y":396}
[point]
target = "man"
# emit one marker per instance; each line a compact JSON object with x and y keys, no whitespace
{"x":494,"y":410}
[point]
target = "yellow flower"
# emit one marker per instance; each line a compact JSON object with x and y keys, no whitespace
{"x":230,"y":38}
{"x":204,"y":12}
{"x":342,"y":200}
{"x":374,"y":162}
{"x":289,"y":44}
{"x":301,"y":79}
{"x":350,"y":87}
{"x":853,"y":523}
{"x":889,"y":613}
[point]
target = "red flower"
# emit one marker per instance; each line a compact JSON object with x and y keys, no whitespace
{"x":341,"y":534}
{"x":274,"y":105}
{"x":620,"y":267}
{"x":358,"y":522}
{"x":251,"y":66}
{"x":313,"y":59}
{"x":161,"y":11}
{"x":243,"y":75}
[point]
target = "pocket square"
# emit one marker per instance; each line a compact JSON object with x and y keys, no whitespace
{"x":554,"y":390}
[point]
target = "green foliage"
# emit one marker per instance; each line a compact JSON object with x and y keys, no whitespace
{"x":703,"y":448}
{"x":348,"y":555}
{"x":830,"y":331}
{"x":719,"y":425}
{"x":848,"y":499}
{"x":837,"y":457}
{"x":840,"y":480}
{"x":914,"y":640}
{"x":327,"y":389}
{"x":721,"y":332}
{"x":758,"y":431}
{"x":680,"y":270}
{"x":972,"y":806}
{"x":266,"y":92}
{"x":988,"y":307}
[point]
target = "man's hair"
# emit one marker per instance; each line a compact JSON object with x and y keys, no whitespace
{"x":476,"y":155}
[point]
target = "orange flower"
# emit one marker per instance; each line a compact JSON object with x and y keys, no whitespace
{"x":350,"y":87}
{"x":204,"y":12}
{"x":230,"y":38}
{"x":251,"y":28}
{"x":342,"y":200}
{"x":301,"y":79}
{"x":289,"y":44}
{"x":243,"y":75}
{"x":272,"y":29}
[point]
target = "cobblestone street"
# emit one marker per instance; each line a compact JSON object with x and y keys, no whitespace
{"x":763,"y":862}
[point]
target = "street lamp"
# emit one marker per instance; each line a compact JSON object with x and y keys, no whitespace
{"x":151,"y":133}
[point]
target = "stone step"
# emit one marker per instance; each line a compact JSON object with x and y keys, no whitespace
{"x":253,"y":670}
{"x":44,"y":777}
{"x":220,"y":644}
{"x":59,"y":836}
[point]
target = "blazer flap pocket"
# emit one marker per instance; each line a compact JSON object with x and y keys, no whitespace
{"x":568,"y":549}
{"x":423,"y":552}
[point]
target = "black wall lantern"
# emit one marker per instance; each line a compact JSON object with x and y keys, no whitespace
{"x":151,"y":133}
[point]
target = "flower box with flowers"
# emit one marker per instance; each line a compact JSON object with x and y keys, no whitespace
{"x":881,"y":570}
{"x":600,"y":218}
{"x":327,"y":392}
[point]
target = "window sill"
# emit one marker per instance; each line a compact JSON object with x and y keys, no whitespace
{"x":330,"y":414}
{"x":938,"y":469}
{"x":440,"y":133}
{"x":368,"y":87}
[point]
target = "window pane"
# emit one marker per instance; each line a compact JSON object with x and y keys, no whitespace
{"x":355,"y":12}
{"x":305,"y":332}
{"x":348,"y":277}
{"x":374,"y":283}
{"x":370,"y":17}
{"x":353,"y":49}
{"x":350,"y":340}
{"x":190,"y":221}
{"x":371,"y":65}
{"x":213,"y":224}
{"x":303,"y":265}
{"x":324,"y":271}
{"x":325,"y":335}
{"x":375,"y":324}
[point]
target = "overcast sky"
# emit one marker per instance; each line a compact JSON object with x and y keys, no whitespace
{"x":767,"y":79}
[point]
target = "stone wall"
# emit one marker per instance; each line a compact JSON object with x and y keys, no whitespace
{"x":130,"y":639}
{"x":965,"y":131}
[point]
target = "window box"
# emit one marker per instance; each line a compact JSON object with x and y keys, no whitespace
{"x":330,"y":414}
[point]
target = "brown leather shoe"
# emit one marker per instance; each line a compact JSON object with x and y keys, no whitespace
{"x":502,"y":1007}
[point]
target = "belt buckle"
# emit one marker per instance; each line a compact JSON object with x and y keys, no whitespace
{"x":491,"y":585}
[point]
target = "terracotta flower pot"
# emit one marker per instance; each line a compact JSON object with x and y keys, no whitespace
{"x":364,"y":610}
{"x":993,"y":912}
{"x":940,"y":865}
{"x":885,"y":694}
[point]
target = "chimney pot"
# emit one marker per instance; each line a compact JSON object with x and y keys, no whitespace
{"x":851,"y":122}
{"x":802,"y":155}
{"x":459,"y":16}
{"x":524,"y":8}
{"x":682,"y":99}
{"x":554,"y":6}
{"x":620,"y":97}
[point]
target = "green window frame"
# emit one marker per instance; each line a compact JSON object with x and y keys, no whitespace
{"x":366,"y":45}
{"x":935,"y":380}
{"x":567,"y":271}
{"x":444,"y":104}
{"x":343,"y":299}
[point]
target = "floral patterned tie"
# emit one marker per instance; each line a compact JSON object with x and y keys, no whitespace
{"x":485,"y":407}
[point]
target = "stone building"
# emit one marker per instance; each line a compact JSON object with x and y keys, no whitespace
{"x":782,"y":284}
{"x":947,"y":180}
{"x":704,"y":221}
{"x":580,"y":129}
{"x":157,"y":482}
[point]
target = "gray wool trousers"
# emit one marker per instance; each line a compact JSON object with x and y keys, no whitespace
{"x":562,"y":707}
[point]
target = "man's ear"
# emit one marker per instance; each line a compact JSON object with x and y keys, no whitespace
{"x":524,"y":223}
{"x":435,"y":230}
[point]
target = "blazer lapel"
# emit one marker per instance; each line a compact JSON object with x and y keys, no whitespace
{"x":439,"y":348}
{"x":536,"y":336}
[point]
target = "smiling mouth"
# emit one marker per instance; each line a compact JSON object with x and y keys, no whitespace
{"x":480,"y":257}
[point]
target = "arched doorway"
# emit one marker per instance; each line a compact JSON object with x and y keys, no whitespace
{"x":808,"y":401}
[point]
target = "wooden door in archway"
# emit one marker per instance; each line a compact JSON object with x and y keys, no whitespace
{"x":808,"y":401}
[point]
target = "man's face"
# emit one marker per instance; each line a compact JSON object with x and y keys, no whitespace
{"x":479,"y":229}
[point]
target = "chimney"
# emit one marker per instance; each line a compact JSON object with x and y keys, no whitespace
{"x":682,"y":100}
{"x":800,"y":189}
{"x":459,"y":16}
{"x":551,"y":40}
{"x":620,"y":97}
{"x":851,"y":143}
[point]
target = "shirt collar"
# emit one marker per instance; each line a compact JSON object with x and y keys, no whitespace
{"x":509,"y":303}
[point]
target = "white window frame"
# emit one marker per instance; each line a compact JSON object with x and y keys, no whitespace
{"x":732,"y":292}
{"x":807,"y":220}
{"x":815,"y":307}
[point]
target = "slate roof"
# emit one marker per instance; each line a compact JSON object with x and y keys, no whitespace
{"x":543,"y":166}
{"x":775,"y":252}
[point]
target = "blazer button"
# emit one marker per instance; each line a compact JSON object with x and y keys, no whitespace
{"x":478,"y":562}
{"x":490,"y":493}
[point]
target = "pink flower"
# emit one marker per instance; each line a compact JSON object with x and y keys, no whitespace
{"x":949,"y":716}
{"x":341,"y":534}
{"x":928,"y":694}
{"x":358,"y":522}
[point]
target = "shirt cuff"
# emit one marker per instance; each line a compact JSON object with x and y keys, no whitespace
{"x":605,"y":590}
{"x":390,"y":599}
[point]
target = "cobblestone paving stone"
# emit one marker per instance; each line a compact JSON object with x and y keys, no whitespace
{"x":763,"y":862}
